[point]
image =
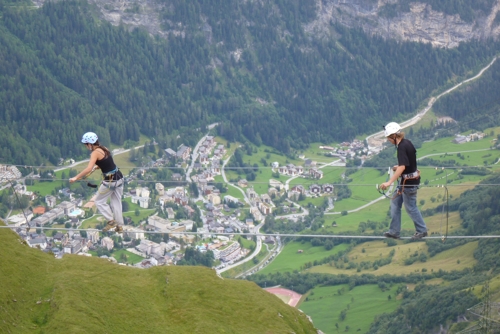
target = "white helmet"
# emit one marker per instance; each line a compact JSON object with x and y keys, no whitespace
{"x":89,"y":138}
{"x":391,"y":129}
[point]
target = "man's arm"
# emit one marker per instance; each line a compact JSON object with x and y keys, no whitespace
{"x":398,"y":170}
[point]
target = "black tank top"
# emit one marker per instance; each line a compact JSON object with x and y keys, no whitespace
{"x":108,"y":165}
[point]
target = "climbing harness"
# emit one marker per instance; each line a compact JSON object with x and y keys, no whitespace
{"x":109,"y":187}
{"x":108,"y":178}
{"x":405,"y":177}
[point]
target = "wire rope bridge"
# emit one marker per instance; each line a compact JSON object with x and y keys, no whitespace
{"x":388,"y":193}
{"x":279,"y":235}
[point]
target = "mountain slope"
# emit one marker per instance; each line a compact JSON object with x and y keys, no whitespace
{"x":251,"y":66}
{"x":90,"y":295}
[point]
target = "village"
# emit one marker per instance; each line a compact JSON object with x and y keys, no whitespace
{"x":206,"y":222}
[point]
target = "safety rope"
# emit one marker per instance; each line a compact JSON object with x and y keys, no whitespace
{"x":339,"y":236}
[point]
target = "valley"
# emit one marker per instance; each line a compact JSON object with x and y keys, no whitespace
{"x":250,"y":142}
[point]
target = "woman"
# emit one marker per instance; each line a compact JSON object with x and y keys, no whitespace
{"x":111,"y":186}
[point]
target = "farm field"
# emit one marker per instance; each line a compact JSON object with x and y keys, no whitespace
{"x":458,"y":258}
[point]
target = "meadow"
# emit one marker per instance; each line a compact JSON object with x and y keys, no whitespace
{"x":131,"y":257}
{"x":78,"y":294}
{"x":458,"y":258}
{"x":291,"y":259}
{"x":361,"y":305}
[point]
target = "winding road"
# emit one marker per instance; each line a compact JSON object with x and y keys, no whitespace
{"x":377,"y":139}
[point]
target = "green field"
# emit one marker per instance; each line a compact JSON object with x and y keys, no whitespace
{"x":131,"y":257}
{"x":247,"y":244}
{"x":445,"y":145}
{"x":290,"y":259}
{"x":235,"y":192}
{"x":361,"y":304}
{"x":92,"y":222}
{"x":315,"y":153}
{"x":457,"y":258}
{"x":143,"y":214}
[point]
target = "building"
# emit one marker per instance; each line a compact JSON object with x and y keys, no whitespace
{"x":315,"y":189}
{"x":107,"y":243}
{"x":67,"y":207}
{"x":170,"y":213}
{"x":50,"y":201}
{"x":327,"y":188}
{"x":160,"y":189}
{"x":142,"y":192}
{"x":183,"y":152}
{"x":144,"y":202}
{"x":133,"y":232}
{"x":214,"y":199}
{"x":229,"y":253}
{"x":276,"y":184}
{"x":170,"y":153}
{"x":231,"y":199}
{"x":160,"y":224}
{"x":38,"y":242}
{"x":21,"y":218}
{"x":93,"y":236}
{"x":74,"y":246}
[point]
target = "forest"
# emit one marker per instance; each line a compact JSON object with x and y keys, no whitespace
{"x":64,"y":72}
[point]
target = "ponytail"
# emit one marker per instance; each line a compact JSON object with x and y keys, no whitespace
{"x":107,"y":153}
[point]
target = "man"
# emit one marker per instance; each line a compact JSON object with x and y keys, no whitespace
{"x":409,"y":179}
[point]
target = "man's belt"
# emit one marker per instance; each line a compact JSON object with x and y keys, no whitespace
{"x":414,"y":175}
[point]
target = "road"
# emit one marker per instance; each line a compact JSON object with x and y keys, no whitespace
{"x":115,"y":152}
{"x":256,"y":251}
{"x":461,"y":152}
{"x":194,"y":154}
{"x":247,"y":200}
{"x":255,"y":268}
{"x":377,"y":139}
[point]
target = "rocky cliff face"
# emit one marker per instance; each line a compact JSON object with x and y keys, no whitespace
{"x":420,"y":24}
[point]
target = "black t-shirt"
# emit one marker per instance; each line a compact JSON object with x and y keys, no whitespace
{"x":407,"y":156}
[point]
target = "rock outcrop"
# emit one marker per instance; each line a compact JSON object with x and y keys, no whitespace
{"x":420,"y":24}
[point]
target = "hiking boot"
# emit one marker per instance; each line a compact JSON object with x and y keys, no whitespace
{"x":419,"y":235}
{"x":118,"y":229}
{"x":109,"y":226}
{"x":390,"y":235}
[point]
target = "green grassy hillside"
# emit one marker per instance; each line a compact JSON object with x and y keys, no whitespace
{"x":340,"y":309}
{"x":78,"y":294}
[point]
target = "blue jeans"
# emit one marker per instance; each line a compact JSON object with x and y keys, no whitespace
{"x":409,"y":198}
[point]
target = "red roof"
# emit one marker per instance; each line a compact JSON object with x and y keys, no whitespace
{"x":39,"y":210}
